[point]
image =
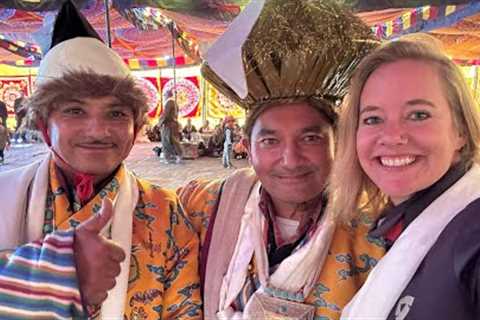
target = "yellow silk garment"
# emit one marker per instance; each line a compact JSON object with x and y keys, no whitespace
{"x":163,"y":279}
{"x":351,"y":257}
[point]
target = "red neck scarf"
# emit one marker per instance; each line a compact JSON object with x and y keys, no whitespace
{"x":82,"y":182}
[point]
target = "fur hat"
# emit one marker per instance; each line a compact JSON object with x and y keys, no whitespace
{"x":76,"y":46}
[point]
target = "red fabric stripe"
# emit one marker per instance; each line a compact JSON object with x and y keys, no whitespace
{"x":32,"y":291}
{"x":59,"y":244}
{"x":433,"y":12}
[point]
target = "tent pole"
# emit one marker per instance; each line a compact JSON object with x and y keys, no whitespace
{"x":107,"y":23}
{"x":174,"y":67}
{"x":204,"y":100}
{"x":475,"y":82}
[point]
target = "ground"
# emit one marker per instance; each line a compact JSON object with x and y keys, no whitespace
{"x":142,"y":161}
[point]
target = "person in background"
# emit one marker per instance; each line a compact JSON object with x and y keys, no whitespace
{"x":205,"y":128}
{"x":4,"y":140}
{"x":409,"y":148}
{"x":188,"y":129}
{"x":228,"y":132}
{"x":3,"y":113}
{"x":170,"y":133}
{"x":82,"y":236}
{"x":20,"y":113}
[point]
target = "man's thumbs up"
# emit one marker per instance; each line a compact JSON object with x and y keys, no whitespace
{"x":96,"y":223}
{"x":97,"y":259}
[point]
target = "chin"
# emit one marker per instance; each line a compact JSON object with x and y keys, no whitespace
{"x":299,"y":199}
{"x":98,"y":170}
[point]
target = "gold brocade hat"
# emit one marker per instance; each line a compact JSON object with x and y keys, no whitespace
{"x":287,"y":50}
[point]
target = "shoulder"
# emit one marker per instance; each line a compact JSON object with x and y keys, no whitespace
{"x":464,"y":233}
{"x":159,"y":209}
{"x":198,"y":190}
{"x":150,"y":191}
{"x":199,"y":198}
{"x":26,"y":171}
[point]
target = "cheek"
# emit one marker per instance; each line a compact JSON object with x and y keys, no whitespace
{"x":262,"y":159}
{"x":57,"y":133}
{"x":362,"y":146}
{"x":126,"y":136}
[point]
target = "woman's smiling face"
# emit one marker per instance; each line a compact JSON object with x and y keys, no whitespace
{"x":406,"y":137}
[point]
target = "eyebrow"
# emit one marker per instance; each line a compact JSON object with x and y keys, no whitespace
{"x":369,"y":109}
{"x":413,"y":102}
{"x":73,"y":100}
{"x":114,"y":104}
{"x":314,"y":128}
{"x":266,"y":132}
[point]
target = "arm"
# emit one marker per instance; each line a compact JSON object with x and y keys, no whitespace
{"x":181,"y":281}
{"x":466,"y":260}
{"x":199,"y":198}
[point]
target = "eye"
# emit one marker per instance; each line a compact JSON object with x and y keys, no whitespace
{"x":120,"y":114}
{"x":419,"y":115}
{"x":313,"y":138}
{"x":372,"y":120}
{"x":73,"y":111}
{"x":268,"y":141}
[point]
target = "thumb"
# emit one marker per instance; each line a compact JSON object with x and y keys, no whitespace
{"x":96,"y":223}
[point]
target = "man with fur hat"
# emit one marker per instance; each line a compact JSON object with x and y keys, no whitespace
{"x":79,"y":218}
{"x":268,"y":248}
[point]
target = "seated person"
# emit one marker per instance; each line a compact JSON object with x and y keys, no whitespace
{"x":188,"y":129}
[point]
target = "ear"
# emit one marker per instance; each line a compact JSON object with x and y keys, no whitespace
{"x":246,"y":144}
{"x":42,"y":126}
{"x":136,"y":131}
{"x":461,"y":140}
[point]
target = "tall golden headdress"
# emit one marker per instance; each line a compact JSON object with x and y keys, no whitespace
{"x":286,"y":50}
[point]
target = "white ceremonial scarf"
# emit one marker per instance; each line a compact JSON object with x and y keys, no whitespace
{"x":298,"y":272}
{"x":393,"y":273}
{"x":37,"y":177}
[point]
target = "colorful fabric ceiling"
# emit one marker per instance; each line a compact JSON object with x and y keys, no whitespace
{"x":136,"y":33}
{"x":457,"y":26}
{"x":145,"y":33}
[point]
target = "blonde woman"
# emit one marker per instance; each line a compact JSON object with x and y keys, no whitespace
{"x":409,"y":148}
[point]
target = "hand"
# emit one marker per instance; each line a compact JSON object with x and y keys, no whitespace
{"x":97,"y":258}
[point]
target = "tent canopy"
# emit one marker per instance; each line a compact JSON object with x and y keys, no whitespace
{"x":145,"y":32}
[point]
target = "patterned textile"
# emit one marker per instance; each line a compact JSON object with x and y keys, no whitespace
{"x":38,"y":280}
{"x":351,"y":257}
{"x":163,"y":279}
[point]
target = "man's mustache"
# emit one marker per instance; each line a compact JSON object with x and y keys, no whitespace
{"x":298,"y":171}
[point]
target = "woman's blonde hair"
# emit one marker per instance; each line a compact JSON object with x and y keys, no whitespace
{"x":350,"y":188}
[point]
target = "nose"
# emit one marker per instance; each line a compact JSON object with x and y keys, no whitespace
{"x":394,"y":133}
{"x":97,"y":127}
{"x":292,"y":155}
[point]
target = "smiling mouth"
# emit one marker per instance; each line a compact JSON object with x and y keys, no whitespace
{"x":97,"y":146}
{"x":396,"y":162}
{"x":294,"y":177}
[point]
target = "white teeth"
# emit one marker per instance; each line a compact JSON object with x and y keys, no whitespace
{"x":397,"y":162}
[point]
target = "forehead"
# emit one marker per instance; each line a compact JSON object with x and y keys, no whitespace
{"x":98,"y":102}
{"x":404,"y":78}
{"x":290,"y":118}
